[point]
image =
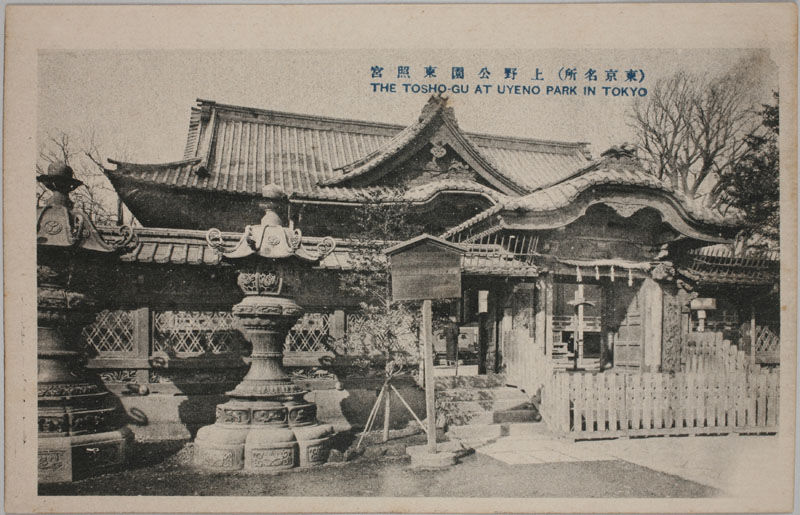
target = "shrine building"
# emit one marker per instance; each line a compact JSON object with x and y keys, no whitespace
{"x":572,"y":262}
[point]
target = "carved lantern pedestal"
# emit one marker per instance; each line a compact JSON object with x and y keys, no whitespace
{"x":81,"y":425}
{"x":266,"y":425}
{"x":81,"y":430}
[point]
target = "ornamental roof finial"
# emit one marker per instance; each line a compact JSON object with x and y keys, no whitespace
{"x":58,"y":224}
{"x":270,"y":238}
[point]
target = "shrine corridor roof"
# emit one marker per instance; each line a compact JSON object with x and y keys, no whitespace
{"x":189,"y":247}
{"x":713,"y":263}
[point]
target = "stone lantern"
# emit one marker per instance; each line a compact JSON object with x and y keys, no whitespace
{"x":81,"y":430}
{"x":266,"y":425}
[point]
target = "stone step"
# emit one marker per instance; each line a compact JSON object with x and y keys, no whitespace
{"x":463,"y":418}
{"x":484,"y":406}
{"x":481,"y":394}
{"x":475,"y":431}
{"x":480,"y":381}
{"x":516,"y":415}
{"x":485,"y":432}
{"x":526,"y":430}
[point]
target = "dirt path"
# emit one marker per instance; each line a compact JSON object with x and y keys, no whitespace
{"x":164,"y":469}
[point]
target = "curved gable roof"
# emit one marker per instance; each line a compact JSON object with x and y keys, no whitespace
{"x":620,"y":183}
{"x":436,"y":123}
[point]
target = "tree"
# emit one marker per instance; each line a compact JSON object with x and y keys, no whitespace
{"x":752,"y":185}
{"x":96,"y":197}
{"x":691,"y":130}
{"x":386,"y":333}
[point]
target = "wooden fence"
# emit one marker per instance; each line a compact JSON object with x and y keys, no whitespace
{"x":590,"y":406}
{"x":709,"y":352}
{"x":526,"y":365}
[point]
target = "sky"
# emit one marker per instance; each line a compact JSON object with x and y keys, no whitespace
{"x":137,"y":103}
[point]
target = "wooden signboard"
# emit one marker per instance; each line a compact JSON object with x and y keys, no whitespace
{"x":425,"y":267}
{"x":703,"y":303}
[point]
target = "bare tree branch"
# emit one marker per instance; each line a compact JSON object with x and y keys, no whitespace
{"x":96,"y":197}
{"x":691,"y":130}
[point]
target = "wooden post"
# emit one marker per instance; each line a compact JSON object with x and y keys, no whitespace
{"x":142,"y":341}
{"x":430,"y":397}
{"x":426,"y":268}
{"x":337,"y":325}
{"x":387,"y":413}
{"x":422,"y":367}
{"x":579,"y":328}
{"x":548,"y":314}
{"x":752,"y":333}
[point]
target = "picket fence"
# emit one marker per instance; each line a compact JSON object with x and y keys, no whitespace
{"x":709,"y":352}
{"x":590,"y":406}
{"x":525,"y":363}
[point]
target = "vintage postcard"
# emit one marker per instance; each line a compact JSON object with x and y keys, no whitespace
{"x":400,"y":258}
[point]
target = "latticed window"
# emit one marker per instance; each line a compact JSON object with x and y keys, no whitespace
{"x":405,"y":331}
{"x":768,"y":339}
{"x":111,"y":333}
{"x":190,"y":333}
{"x":354,"y":321}
{"x":310,"y":334}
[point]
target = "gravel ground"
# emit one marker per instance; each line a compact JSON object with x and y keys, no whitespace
{"x":381,"y":469}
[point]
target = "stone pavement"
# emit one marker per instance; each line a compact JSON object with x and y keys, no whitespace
{"x":536,"y":449}
{"x":737,"y":465}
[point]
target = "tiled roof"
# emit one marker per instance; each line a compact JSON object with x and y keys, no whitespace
{"x":180,"y":247}
{"x":189,"y":247}
{"x":714,"y":263}
{"x":532,"y":169}
{"x":239,"y":149}
{"x":390,"y":148}
{"x":420,"y":193}
{"x":726,"y":251}
{"x":601,"y":172}
{"x":561,"y":194}
{"x":719,"y":264}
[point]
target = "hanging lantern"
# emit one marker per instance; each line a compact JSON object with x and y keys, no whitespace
{"x":597,"y":273}
{"x":580,"y":277}
{"x":612,"y":273}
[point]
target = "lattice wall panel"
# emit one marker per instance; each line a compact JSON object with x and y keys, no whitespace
{"x":191,"y":333}
{"x":111,"y":333}
{"x":404,"y":331}
{"x":354,"y":321}
{"x":767,"y":340}
{"x":309,"y":334}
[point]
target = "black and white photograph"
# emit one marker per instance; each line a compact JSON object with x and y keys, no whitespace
{"x":541,"y":274}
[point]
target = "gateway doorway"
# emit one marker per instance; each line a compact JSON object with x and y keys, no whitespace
{"x":611,"y":322}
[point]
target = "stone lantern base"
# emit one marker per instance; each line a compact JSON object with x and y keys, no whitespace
{"x":263,"y":436}
{"x":66,"y":458}
{"x":81,"y":430}
{"x":267,"y":425}
{"x":81,"y":426}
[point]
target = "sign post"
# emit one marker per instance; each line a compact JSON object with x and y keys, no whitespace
{"x":426,"y":268}
{"x":430,"y":394}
